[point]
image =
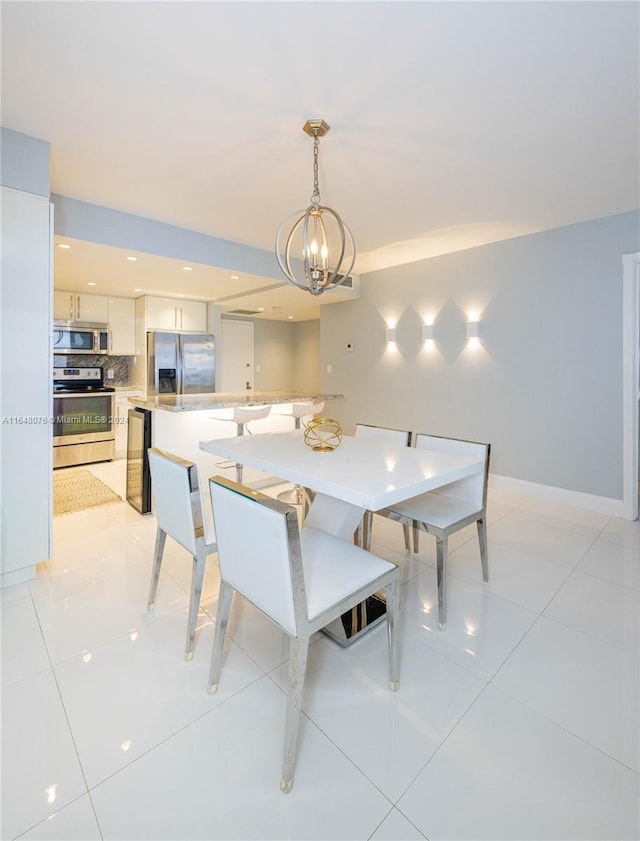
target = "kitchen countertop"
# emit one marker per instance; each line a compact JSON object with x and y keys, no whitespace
{"x":227,"y":400}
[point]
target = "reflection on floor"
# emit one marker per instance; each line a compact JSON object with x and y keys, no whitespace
{"x":520,"y":721}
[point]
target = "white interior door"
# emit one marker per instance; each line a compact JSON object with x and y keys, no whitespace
{"x":236,"y":366}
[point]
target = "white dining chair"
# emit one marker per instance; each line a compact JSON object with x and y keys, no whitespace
{"x":300,"y":579}
{"x":179,"y":514}
{"x":382,"y":435}
{"x":449,"y":509}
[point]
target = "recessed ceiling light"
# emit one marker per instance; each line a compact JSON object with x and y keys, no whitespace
{"x":180,"y":295}
{"x":137,"y":289}
{"x":260,"y":309}
{"x":63,"y":245}
{"x":187,"y":269}
{"x":289,"y":316}
{"x":235,"y":277}
{"x":90,"y":283}
{"x":132,"y":259}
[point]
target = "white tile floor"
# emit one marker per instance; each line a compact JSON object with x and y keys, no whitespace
{"x":521,"y":721}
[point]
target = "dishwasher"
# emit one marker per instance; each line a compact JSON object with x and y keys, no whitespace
{"x":138,"y":473}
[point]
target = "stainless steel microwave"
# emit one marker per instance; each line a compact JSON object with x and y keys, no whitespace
{"x":80,"y":337}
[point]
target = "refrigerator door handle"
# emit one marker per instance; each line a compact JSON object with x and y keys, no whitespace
{"x":180,"y":366}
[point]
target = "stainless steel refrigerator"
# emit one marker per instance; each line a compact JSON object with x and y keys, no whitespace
{"x":180,"y":363}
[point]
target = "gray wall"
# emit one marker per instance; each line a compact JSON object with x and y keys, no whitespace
{"x":273,"y":351}
{"x":24,"y":162}
{"x":306,"y":369}
{"x":288,"y":355}
{"x":545,"y":384}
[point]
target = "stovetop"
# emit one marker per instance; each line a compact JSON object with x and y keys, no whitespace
{"x":80,"y":381}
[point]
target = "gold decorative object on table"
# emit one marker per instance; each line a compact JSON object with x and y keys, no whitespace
{"x":323,"y":434}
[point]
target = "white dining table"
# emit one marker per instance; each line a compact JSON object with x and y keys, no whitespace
{"x":358,"y":475}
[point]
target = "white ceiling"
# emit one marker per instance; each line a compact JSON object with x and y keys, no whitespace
{"x":453,"y":123}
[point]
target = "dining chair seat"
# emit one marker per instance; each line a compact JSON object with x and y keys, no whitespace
{"x":301,"y":579}
{"x":179,"y":513}
{"x":437,"y":509}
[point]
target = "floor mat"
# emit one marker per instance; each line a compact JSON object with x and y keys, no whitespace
{"x":78,"y":489}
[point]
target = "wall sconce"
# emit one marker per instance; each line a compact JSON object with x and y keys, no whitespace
{"x":390,"y":334}
{"x":427,"y":332}
{"x":472,"y":330}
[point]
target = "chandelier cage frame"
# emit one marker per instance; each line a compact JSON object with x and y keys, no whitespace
{"x":316,"y":274}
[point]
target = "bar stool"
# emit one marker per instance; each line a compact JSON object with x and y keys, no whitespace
{"x":242,"y":415}
{"x":298,"y":410}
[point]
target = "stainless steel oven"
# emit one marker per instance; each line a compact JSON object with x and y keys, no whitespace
{"x":83,"y":417}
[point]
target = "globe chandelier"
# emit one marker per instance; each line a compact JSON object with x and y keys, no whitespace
{"x":316,"y":238}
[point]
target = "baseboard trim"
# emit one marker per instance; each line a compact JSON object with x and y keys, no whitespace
{"x":591,"y":502}
{"x":17,"y":576}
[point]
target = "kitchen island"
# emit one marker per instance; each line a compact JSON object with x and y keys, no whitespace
{"x":180,"y":422}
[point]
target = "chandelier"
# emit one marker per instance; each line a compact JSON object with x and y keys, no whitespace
{"x":317,"y":236}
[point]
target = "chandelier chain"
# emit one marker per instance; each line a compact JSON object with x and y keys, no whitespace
{"x":315,"y":197}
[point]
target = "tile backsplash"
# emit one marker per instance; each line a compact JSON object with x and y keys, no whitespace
{"x":119,"y":364}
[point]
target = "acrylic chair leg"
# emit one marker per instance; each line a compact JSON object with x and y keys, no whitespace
{"x":406,"y":531}
{"x":197,"y":576}
{"x":161,"y":537}
{"x":441,"y":558}
{"x":484,"y":557}
{"x":298,"y":649}
{"x":416,"y":532}
{"x":367,"y":530}
{"x":222,"y":618}
{"x":358,"y":535}
{"x":393,"y":619}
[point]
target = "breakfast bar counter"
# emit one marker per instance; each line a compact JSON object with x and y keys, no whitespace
{"x":228,"y":400}
{"x":179,"y":422}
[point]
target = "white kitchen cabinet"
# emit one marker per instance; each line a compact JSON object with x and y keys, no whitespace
{"x":175,"y":314}
{"x":122,"y":417}
{"x":193,"y":316}
{"x":122,"y":324}
{"x":71,"y":306}
{"x":64,"y":306}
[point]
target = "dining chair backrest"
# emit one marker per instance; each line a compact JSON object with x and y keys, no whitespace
{"x":259,"y":550}
{"x":178,"y":506}
{"x":472,"y":489}
{"x":383,"y":434}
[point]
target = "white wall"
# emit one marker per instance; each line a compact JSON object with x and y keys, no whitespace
{"x":25,"y":407}
{"x":545,"y":384}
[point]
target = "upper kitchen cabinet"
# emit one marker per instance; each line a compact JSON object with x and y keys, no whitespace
{"x":122,"y":324}
{"x":175,"y":314}
{"x":71,"y":306}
